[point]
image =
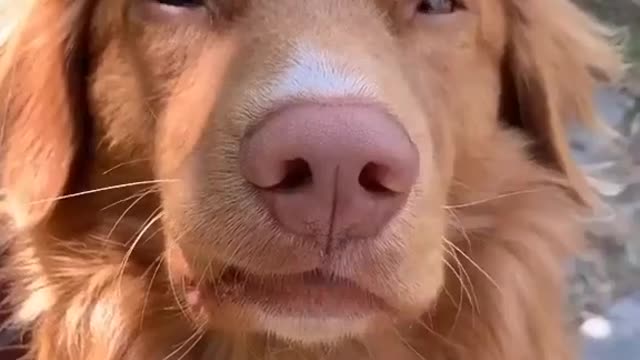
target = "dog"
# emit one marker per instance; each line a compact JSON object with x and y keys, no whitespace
{"x":164,"y":193}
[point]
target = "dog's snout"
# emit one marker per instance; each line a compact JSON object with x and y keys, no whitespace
{"x":335,"y":169}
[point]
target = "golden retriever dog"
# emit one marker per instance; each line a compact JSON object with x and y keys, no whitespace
{"x":165,"y":197}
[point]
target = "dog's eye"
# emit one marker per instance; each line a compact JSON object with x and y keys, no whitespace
{"x":181,"y":3}
{"x":175,"y":11}
{"x":437,"y":6}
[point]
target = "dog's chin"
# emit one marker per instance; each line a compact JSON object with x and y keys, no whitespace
{"x":310,"y":331}
{"x":308,"y":308}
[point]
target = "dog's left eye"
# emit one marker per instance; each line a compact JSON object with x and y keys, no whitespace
{"x":437,"y":6}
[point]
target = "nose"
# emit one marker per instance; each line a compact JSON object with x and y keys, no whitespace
{"x":337,"y":170}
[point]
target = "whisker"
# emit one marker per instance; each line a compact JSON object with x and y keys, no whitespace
{"x":14,"y":347}
{"x":11,"y":78}
{"x":439,"y":336}
{"x":205,"y":272}
{"x":106,"y":188}
{"x":134,"y":196}
{"x":124,"y":213}
{"x":367,"y":349}
{"x":202,"y":277}
{"x":459,"y":304}
{"x":195,"y":341}
{"x":174,"y":292}
{"x":155,"y":216}
{"x":497,"y":197}
{"x":197,"y":334}
{"x":408,"y":345}
{"x":460,"y":226}
{"x":159,"y":262}
{"x":125,"y":163}
{"x":475,"y":264}
{"x":472,"y":299}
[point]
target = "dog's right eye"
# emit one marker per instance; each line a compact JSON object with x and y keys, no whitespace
{"x":181,"y":3}
{"x":434,"y":7}
{"x":175,"y":11}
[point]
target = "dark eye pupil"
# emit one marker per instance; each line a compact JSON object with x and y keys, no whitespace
{"x":182,"y":3}
{"x":436,"y":6}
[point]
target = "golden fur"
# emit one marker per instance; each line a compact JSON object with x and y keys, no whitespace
{"x":108,"y":110}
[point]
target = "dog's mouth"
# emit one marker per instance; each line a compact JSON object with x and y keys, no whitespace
{"x":312,"y":294}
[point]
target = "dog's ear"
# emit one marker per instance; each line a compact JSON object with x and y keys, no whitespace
{"x":39,"y":106}
{"x":556,"y":54}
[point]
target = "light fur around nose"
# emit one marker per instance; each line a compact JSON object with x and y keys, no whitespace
{"x":314,"y":73}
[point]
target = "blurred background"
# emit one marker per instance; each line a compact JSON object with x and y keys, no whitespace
{"x":605,"y":280}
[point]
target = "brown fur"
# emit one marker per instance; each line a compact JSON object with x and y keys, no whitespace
{"x":96,"y":95}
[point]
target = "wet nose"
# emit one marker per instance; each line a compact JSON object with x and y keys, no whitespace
{"x":331,"y":169}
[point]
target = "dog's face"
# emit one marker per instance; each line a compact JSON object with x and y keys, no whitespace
{"x":308,"y":150}
{"x":311,"y":143}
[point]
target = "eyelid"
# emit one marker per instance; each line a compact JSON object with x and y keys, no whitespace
{"x":153,"y":11}
{"x":457,"y":5}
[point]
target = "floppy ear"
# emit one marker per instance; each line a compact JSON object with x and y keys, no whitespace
{"x":37,"y":107}
{"x":556,"y":54}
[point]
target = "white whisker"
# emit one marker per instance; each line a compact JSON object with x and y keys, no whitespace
{"x":107,"y":188}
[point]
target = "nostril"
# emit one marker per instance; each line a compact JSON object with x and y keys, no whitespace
{"x":297,"y":174}
{"x":370,"y":179}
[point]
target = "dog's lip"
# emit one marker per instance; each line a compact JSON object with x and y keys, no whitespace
{"x":308,"y":294}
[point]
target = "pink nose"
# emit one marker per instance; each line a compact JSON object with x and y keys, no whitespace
{"x":341,"y":171}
